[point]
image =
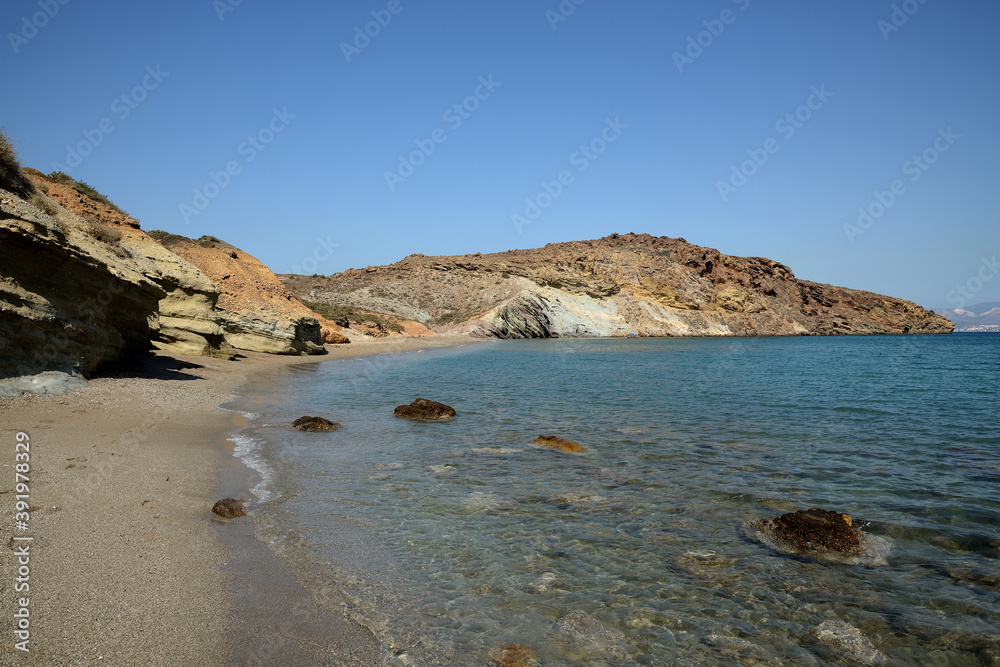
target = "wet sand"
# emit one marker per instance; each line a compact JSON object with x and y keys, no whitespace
{"x":128,"y":566}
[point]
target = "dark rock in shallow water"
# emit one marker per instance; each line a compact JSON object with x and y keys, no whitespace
{"x":561,"y":444}
{"x":312,"y":424}
{"x":821,"y":533}
{"x":426,"y":411}
{"x":814,"y":530}
{"x":229,"y":508}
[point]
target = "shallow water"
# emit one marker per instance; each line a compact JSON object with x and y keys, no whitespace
{"x":453,"y":539}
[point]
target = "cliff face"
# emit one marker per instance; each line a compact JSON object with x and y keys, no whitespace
{"x":189,"y":321}
{"x":68,"y":301}
{"x":616,"y":286}
{"x":256,"y":310}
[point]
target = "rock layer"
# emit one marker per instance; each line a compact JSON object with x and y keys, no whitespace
{"x":256,"y":311}
{"x":68,"y":302}
{"x":632,"y":284}
{"x":189,"y":321}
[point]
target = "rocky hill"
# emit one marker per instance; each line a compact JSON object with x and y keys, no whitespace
{"x":631,"y":284}
{"x":975,"y":318}
{"x":255,"y":309}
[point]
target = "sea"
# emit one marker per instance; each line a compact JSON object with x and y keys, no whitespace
{"x":457,"y":541}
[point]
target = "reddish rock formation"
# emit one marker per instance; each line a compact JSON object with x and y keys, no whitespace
{"x":257,"y":311}
{"x":560,"y":444}
{"x":426,"y":411}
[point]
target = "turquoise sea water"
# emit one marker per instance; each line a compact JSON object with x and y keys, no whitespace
{"x":453,"y":539}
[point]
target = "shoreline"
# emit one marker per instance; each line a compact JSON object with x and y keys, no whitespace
{"x":128,"y":565}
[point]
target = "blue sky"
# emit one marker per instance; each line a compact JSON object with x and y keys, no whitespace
{"x":755,"y":128}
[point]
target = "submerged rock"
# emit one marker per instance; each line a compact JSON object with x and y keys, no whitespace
{"x":584,"y":629}
{"x":515,"y":655}
{"x":700,"y":562}
{"x":229,"y":508}
{"x":561,"y":444}
{"x":849,"y":641}
{"x":426,"y":411}
{"x":312,"y":424}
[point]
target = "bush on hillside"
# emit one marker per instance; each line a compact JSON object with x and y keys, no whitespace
{"x":158,"y":234}
{"x":11,"y":177}
{"x":32,"y":171}
{"x":101,"y":231}
{"x":343,"y":316}
{"x":60,"y":177}
{"x":44,"y":203}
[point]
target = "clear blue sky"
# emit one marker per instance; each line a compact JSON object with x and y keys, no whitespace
{"x":887,"y":95}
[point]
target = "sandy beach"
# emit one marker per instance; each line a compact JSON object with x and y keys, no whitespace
{"x":126,"y":563}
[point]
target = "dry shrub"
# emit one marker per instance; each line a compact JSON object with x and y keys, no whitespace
{"x":44,"y":203}
{"x":11,"y":177}
{"x":101,"y":231}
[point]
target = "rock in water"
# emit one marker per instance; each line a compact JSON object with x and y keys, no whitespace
{"x":312,"y":424}
{"x":229,"y":508}
{"x":561,"y":444}
{"x":586,"y":630}
{"x":813,"y":530}
{"x":426,"y":411}
{"x":848,"y":640}
{"x":820,"y":534}
{"x":515,"y":655}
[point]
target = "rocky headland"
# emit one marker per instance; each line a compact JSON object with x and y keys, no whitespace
{"x":82,"y":286}
{"x":620,"y":285}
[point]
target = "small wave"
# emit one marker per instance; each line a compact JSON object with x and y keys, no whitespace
{"x":251,"y":415}
{"x":248,"y":450}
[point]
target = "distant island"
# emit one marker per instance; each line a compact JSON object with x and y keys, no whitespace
{"x":977,"y":318}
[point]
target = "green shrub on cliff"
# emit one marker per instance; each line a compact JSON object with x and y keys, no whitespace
{"x":11,"y":177}
{"x":158,"y":234}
